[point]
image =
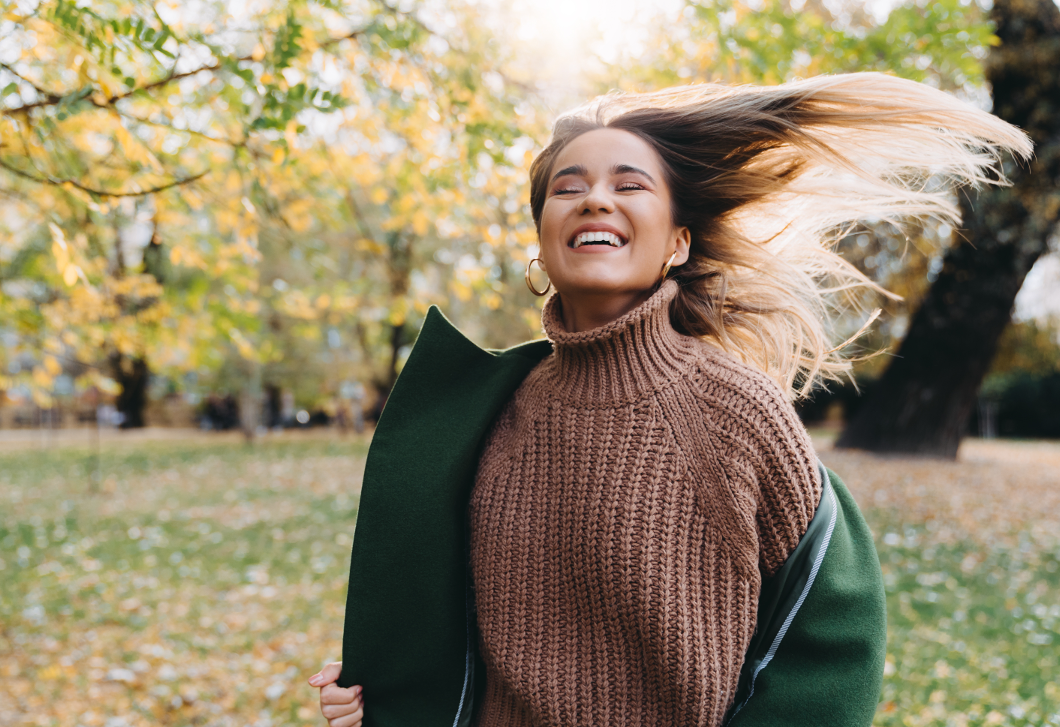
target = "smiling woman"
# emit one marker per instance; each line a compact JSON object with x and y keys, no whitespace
{"x":627,"y":524}
{"x":606,"y":227}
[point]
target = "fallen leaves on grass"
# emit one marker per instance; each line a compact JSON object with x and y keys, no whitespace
{"x":970,"y":552}
{"x":207,"y":581}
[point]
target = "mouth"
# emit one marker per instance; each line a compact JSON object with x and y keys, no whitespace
{"x":597,"y":237}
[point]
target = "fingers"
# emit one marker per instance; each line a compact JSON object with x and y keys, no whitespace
{"x":348,"y":714}
{"x":328,"y":675}
{"x":340,"y":707}
{"x":351,"y":720}
{"x":332,"y":694}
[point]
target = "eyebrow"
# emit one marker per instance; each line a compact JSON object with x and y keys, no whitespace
{"x":574,"y":171}
{"x":627,"y":169}
{"x":579,"y":170}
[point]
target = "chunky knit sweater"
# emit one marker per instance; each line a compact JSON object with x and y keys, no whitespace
{"x":626,"y":499}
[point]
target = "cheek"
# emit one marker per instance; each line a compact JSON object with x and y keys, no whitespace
{"x":551,"y":223}
{"x":653,"y":222}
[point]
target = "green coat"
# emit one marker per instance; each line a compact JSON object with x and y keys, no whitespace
{"x":817,"y":655}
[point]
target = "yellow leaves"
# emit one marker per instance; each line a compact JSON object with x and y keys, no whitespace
{"x":532,"y":318}
{"x":192,"y":198}
{"x":245,"y":348}
{"x":108,"y":385}
{"x":154,"y":314}
{"x":50,"y":673}
{"x":136,"y":286}
{"x":399,"y":311}
{"x":42,"y":398}
{"x":187,"y":256}
{"x":379,"y":195}
{"x":258,"y":53}
{"x":66,"y":255}
{"x":420,"y":223}
{"x":246,"y":246}
{"x":135,"y":150}
{"x":42,"y":378}
{"x":369,"y":246}
{"x":462,"y":291}
{"x":70,"y":274}
{"x":52,"y":366}
{"x":233,"y":182}
{"x":297,"y":214}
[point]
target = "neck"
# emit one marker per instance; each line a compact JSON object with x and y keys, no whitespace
{"x":586,"y":311}
{"x":620,"y":361}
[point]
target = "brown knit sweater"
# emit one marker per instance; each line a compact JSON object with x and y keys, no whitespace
{"x":625,"y":499}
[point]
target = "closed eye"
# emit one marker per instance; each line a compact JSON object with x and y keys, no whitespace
{"x":625,"y":186}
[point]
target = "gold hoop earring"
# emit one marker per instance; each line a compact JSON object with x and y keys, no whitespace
{"x":666,"y":267}
{"x":530,"y":284}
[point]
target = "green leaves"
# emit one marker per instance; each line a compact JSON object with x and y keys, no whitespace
{"x":286,"y":46}
{"x":108,"y":35}
{"x":940,"y":41}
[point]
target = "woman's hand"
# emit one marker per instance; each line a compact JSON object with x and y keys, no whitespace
{"x":340,"y":707}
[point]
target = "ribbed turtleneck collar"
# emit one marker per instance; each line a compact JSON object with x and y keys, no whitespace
{"x":621,"y":361}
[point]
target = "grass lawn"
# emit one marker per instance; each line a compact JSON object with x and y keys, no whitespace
{"x":205,"y":579}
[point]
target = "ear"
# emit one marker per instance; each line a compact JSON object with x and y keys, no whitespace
{"x":682,"y":243}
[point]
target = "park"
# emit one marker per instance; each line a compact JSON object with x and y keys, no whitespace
{"x":223,"y":224}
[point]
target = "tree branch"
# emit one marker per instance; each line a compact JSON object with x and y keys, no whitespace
{"x":174,"y":129}
{"x":53,"y":181}
{"x":40,"y":91}
{"x":51,"y":99}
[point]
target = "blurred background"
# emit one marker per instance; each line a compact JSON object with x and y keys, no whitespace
{"x":221,"y":226}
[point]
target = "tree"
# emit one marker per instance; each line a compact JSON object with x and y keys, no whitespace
{"x":770,"y":41}
{"x":923,"y":401}
{"x":302,"y":168}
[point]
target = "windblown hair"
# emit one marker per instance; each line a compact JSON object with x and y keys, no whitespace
{"x":768,"y":179}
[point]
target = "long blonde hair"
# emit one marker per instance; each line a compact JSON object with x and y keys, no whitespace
{"x":767,"y":179}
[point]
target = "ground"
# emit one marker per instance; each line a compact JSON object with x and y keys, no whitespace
{"x":196,"y":580}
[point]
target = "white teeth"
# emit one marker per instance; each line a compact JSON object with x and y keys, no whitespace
{"x":609,"y":237}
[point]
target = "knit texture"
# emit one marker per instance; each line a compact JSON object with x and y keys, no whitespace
{"x":626,"y":499}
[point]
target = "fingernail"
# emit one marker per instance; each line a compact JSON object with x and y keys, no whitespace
{"x":357,"y":690}
{"x":316,"y":679}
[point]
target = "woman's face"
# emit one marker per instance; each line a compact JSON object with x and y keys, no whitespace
{"x":606,"y":226}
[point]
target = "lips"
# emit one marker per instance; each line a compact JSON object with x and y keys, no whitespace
{"x":597,"y":235}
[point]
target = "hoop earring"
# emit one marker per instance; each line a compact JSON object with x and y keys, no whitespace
{"x":666,"y":267}
{"x":530,"y":284}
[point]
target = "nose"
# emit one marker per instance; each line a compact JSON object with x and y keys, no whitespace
{"x":596,"y":199}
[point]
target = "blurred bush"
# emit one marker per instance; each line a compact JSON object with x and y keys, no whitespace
{"x":1024,"y":405}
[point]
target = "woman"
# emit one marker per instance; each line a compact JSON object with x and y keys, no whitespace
{"x":650,"y":538}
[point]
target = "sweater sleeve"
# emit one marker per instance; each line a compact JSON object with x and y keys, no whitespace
{"x":789,"y":486}
{"x":765,"y":452}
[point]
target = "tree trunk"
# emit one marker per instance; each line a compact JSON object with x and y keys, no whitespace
{"x":922,"y":403}
{"x":132,"y":377}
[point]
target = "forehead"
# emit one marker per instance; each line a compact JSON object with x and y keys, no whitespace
{"x":602,"y":149}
